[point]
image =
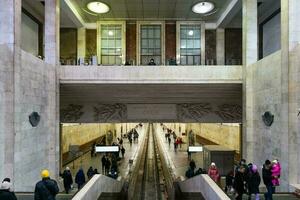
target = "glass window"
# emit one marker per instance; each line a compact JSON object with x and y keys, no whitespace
{"x":111,"y":44}
{"x":150,"y":44}
{"x":190,"y":48}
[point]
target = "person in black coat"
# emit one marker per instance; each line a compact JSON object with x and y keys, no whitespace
{"x":90,"y":172}
{"x":80,"y":178}
{"x":253,"y":181}
{"x":239,"y":183}
{"x":5,"y":193}
{"x":107,"y":165}
{"x":229,"y":181}
{"x":267,"y":178}
{"x":103,"y":160}
{"x":68,"y":180}
{"x":46,"y":189}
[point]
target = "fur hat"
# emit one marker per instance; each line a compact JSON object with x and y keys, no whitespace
{"x":5,"y":185}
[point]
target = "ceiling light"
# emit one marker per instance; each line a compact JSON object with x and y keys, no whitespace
{"x":191,"y":33}
{"x":203,"y":7}
{"x":98,"y":7}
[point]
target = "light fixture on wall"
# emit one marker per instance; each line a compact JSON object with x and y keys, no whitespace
{"x":98,"y":7}
{"x":191,"y":32}
{"x":203,"y":7}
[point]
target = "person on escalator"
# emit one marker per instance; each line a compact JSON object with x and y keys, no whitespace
{"x":80,"y":178}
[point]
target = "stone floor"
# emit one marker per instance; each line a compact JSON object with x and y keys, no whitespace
{"x":178,"y":159}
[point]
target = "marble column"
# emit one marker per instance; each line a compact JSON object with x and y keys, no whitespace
{"x":220,"y":47}
{"x":81,"y":42}
{"x":203,"y":43}
{"x":250,"y":47}
{"x":52,"y":26}
{"x":10,"y":29}
{"x":290,"y":71}
{"x":250,"y":54}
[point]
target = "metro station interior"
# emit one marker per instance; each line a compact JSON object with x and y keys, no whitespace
{"x":168,"y":82}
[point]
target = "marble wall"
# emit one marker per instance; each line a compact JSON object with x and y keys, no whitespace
{"x":233,"y":46}
{"x":264,"y":93}
{"x":6,"y":110}
{"x":35,"y":90}
{"x":68,"y":40}
{"x":227,"y":135}
{"x":79,"y":134}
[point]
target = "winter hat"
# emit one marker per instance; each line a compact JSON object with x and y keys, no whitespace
{"x":213,"y":164}
{"x":275,"y":161}
{"x":5,"y":185}
{"x":254,"y":168}
{"x":6,"y":179}
{"x":45,"y":173}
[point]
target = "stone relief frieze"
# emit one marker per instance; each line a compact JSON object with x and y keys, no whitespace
{"x":193,"y":111}
{"x":106,"y":112}
{"x":229,"y":111}
{"x":72,"y":112}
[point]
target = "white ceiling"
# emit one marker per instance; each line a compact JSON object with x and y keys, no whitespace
{"x":149,"y":9}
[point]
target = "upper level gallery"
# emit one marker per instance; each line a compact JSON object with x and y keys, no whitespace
{"x":102,"y":41}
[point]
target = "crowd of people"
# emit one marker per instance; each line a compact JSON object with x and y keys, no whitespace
{"x":177,"y":141}
{"x":246,"y":179}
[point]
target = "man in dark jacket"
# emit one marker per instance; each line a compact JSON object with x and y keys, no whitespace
{"x":103,"y":160}
{"x":267,"y":178}
{"x":46,"y":189}
{"x":5,"y":193}
{"x":80,"y":178}
{"x":239,"y":182}
{"x":68,"y":180}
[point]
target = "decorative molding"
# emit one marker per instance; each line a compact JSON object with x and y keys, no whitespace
{"x":193,"y":111}
{"x":105,"y":112}
{"x":229,"y":112}
{"x":72,"y":112}
{"x":268,"y":118}
{"x":34,"y":119}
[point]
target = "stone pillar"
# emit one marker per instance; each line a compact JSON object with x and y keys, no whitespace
{"x":290,"y":71}
{"x":203,"y":43}
{"x":250,"y":53}
{"x":52,"y":31}
{"x":10,"y":29}
{"x":220,"y":48}
{"x":250,"y":47}
{"x":81,"y":42}
{"x":52,"y":27}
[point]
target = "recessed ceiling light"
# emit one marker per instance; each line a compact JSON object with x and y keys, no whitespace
{"x":203,"y":7}
{"x":98,"y":7}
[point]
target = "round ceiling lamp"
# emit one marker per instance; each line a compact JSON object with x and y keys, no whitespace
{"x":203,"y":7}
{"x":98,"y":7}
